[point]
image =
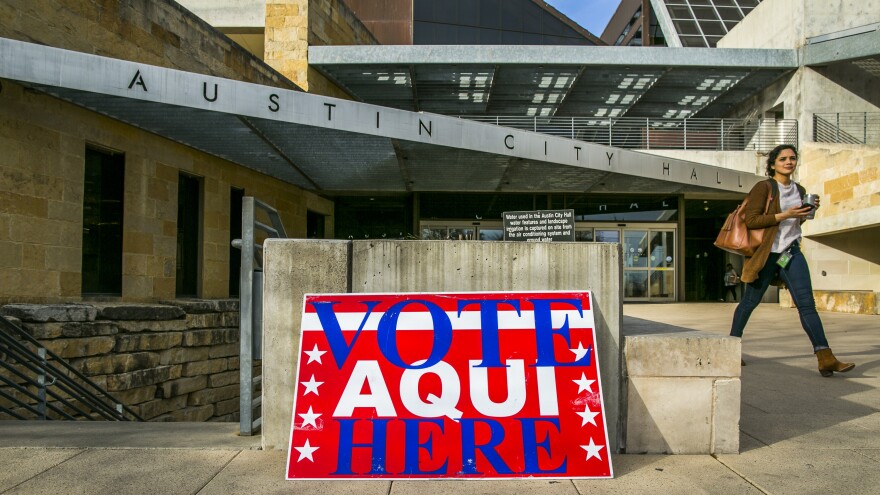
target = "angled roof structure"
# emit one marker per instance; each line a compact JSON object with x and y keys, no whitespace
{"x":334,"y":146}
{"x":553,"y":80}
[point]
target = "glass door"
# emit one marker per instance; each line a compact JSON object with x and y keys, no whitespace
{"x":648,"y":264}
{"x":648,"y":258}
{"x":661,"y":245}
{"x":635,"y":264}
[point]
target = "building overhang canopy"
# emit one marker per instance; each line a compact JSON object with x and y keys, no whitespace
{"x":546,"y":81}
{"x":859,"y":47}
{"x":334,"y":146}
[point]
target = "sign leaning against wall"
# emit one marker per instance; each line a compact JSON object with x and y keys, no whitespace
{"x":448,"y":385}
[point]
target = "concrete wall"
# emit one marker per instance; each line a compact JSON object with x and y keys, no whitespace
{"x":683,"y":393}
{"x":787,"y":23}
{"x":229,"y":13}
{"x":743,"y":161}
{"x":435,"y":266}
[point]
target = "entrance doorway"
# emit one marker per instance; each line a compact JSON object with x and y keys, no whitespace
{"x":649,"y":258}
{"x":649,"y":253}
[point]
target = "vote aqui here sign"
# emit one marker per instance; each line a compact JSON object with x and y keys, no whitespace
{"x":448,"y":385}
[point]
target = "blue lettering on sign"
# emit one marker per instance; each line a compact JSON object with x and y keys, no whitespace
{"x":544,"y":332}
{"x":489,"y":328}
{"x":376,"y":440}
{"x":338,"y":345}
{"x":530,"y":446}
{"x":376,"y":446}
{"x":387,"y":334}
{"x":469,"y":446}
{"x":412,"y":446}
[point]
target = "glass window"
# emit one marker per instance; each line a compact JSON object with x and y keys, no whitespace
{"x":686,"y":27}
{"x":705,"y":13}
{"x":189,"y":213}
{"x":729,"y":14}
{"x":102,"y":222}
{"x":713,"y":28}
{"x":491,"y":234}
{"x":463,"y":234}
{"x":583,"y":235}
{"x":235,"y":199}
{"x":607,"y":235}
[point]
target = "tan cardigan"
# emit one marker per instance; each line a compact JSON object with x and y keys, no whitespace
{"x":757,"y":219}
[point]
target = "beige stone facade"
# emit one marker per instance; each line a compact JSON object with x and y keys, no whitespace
{"x":44,"y":142}
{"x":292,"y":26}
{"x":41,"y":202}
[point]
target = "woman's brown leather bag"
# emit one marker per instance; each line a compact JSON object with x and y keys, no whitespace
{"x":735,"y":237}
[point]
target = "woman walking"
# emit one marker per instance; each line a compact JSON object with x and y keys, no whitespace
{"x":779,"y":256}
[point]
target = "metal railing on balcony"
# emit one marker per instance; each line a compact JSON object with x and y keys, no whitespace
{"x":37,"y":384}
{"x":648,"y":133}
{"x":848,"y":127}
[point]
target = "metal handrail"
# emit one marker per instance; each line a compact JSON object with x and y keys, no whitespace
{"x":847,"y":127}
{"x":38,"y":384}
{"x":657,"y":133}
{"x":250,"y":305}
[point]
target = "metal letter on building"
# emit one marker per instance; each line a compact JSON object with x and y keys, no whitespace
{"x":448,"y":385}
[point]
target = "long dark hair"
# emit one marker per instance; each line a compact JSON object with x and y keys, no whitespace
{"x":774,"y":154}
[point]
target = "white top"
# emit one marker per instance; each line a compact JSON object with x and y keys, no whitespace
{"x":790,"y":228}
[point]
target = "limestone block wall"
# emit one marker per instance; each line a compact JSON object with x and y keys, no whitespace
{"x":44,"y":143}
{"x":841,"y":243}
{"x":156,"y":32}
{"x":171,"y":362}
{"x":44,"y":140}
{"x":294,"y":25}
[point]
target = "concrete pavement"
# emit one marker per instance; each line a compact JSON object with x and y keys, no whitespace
{"x":800,"y":433}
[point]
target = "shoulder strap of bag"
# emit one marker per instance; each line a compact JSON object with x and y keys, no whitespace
{"x":774,"y":188}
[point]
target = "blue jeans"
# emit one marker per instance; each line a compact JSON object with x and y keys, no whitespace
{"x":797,"y":277}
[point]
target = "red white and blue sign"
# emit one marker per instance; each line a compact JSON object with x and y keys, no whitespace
{"x":448,"y":385}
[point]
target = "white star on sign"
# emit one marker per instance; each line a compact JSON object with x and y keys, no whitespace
{"x":309,"y":418}
{"x":579,"y":352}
{"x":315,"y":355}
{"x":584,"y":384}
{"x":312,"y":386}
{"x":588,"y":416}
{"x":305,"y":452}
{"x":593,"y":450}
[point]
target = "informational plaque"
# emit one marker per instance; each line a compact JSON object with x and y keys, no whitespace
{"x":448,"y":385}
{"x":539,"y":226}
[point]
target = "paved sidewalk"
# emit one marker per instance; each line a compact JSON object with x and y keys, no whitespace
{"x":801,"y":433}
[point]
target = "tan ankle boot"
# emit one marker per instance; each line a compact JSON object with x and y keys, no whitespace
{"x":828,"y":364}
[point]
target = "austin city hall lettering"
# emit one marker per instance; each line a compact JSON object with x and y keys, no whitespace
{"x":469,"y":385}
